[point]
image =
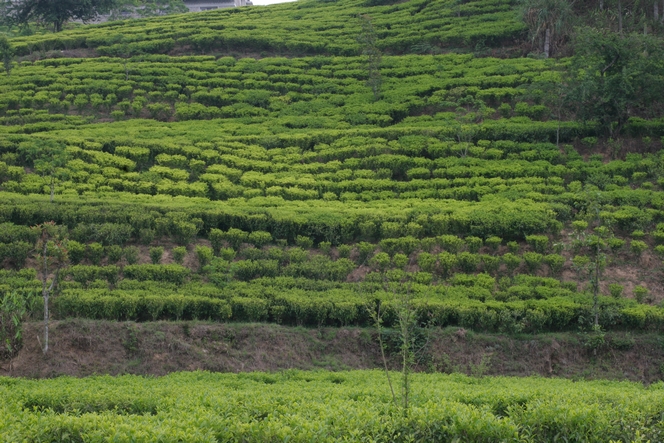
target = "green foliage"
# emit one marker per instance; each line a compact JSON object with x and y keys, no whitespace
{"x":155,"y":254}
{"x":474,"y":244}
{"x":493,"y":242}
{"x":178,"y":253}
{"x":15,"y":307}
{"x":400,"y":260}
{"x":640,"y":293}
{"x":259,"y":238}
{"x":555,"y":263}
{"x":131,"y":254}
{"x":6,"y":54}
{"x":533,"y":261}
{"x":512,"y":262}
{"x":204,"y":255}
{"x":344,"y":251}
{"x":539,"y":243}
{"x":77,"y":251}
{"x":114,"y":253}
{"x":637,"y":247}
{"x":616,"y":290}
{"x":468,"y":262}
{"x":95,"y":253}
{"x":613,"y":74}
{"x":304,"y":242}
{"x":381,"y":261}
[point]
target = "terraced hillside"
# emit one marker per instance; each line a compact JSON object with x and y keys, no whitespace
{"x":279,"y":189}
{"x":283,"y":189}
{"x":355,"y":172}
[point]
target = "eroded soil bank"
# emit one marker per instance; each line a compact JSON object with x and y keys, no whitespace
{"x":85,"y":347}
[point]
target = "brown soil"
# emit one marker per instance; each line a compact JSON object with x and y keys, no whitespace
{"x":85,"y":347}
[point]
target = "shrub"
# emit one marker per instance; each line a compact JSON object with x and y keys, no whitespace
{"x":155,"y":254}
{"x":365,"y":250}
{"x":450,"y":243}
{"x":131,"y":254}
{"x":512,"y":262}
{"x":426,"y":261}
{"x":325,"y":247}
{"x":491,"y":263}
{"x":539,"y":243}
{"x":579,"y":226}
{"x":637,"y":247}
{"x":616,"y":290}
{"x":216,"y":237}
{"x":380,"y":261}
{"x":640,"y":293}
{"x":304,"y":242}
{"x":204,"y":255}
{"x":615,"y":244}
{"x":513,"y":247}
{"x":555,"y":263}
{"x":533,"y":261}
{"x":446,"y":263}
{"x":95,"y":253}
{"x":638,"y":234}
{"x":260,"y":238}
{"x":468,"y":262}
{"x":76,"y":251}
{"x":178,"y":254}
{"x":18,"y":253}
{"x":235,"y":237}
{"x":146,"y":235}
{"x":114,"y":253}
{"x":474,"y":244}
{"x":297,"y":255}
{"x":400,"y":260}
{"x":227,"y":254}
{"x":493,"y":242}
{"x":659,"y":250}
{"x":164,"y":273}
{"x":344,"y":251}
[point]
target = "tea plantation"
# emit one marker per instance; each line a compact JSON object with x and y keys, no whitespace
{"x":316,"y":164}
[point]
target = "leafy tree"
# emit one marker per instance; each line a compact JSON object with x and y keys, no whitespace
{"x":368,"y":39}
{"x":14,"y":308}
{"x":550,"y":22}
{"x":54,"y":12}
{"x":614,"y":77}
{"x":6,"y":54}
{"x":49,"y":159}
{"x":51,"y":255}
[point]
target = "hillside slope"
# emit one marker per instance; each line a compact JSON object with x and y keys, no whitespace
{"x":300,"y":190}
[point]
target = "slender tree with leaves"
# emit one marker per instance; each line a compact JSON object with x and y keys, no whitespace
{"x":369,"y":41}
{"x":6,"y":54}
{"x":51,"y":256}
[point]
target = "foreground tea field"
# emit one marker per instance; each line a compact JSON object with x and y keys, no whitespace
{"x":323,"y":406}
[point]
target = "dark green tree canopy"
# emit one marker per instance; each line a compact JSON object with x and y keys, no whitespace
{"x":54,"y":12}
{"x":614,"y":77}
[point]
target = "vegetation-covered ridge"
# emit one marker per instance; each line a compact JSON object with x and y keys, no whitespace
{"x":308,"y":27}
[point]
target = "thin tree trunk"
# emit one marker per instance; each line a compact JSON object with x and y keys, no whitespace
{"x":655,"y":10}
{"x":620,"y":17}
{"x":45,"y":295}
{"x":45,"y":323}
{"x":601,"y":5}
{"x":547,"y":43}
